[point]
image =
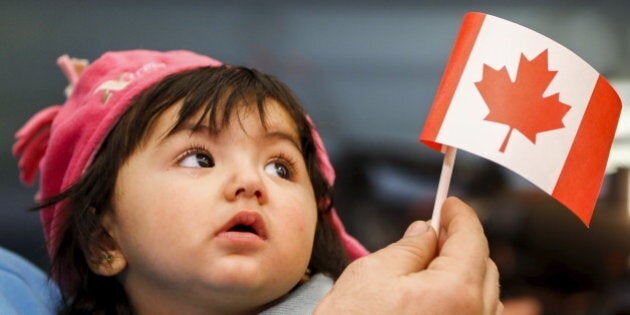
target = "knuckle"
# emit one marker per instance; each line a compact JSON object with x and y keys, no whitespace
{"x":492,"y":266}
{"x":408,"y":249}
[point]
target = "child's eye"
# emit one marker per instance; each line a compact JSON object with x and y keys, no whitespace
{"x":194,"y":158}
{"x":280,"y":169}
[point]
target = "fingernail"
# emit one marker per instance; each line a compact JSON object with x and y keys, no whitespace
{"x":417,"y":228}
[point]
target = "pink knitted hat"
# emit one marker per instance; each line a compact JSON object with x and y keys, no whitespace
{"x":60,"y":141}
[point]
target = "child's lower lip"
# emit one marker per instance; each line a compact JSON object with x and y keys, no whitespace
{"x":243,"y":238}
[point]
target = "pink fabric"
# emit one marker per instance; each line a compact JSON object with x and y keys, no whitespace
{"x":354,"y":248}
{"x":60,"y":141}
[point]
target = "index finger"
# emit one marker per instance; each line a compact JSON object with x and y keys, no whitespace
{"x":463,"y":245}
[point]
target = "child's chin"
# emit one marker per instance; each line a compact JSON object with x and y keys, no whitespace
{"x":253,"y":283}
{"x":243,"y":275}
{"x":248,"y":274}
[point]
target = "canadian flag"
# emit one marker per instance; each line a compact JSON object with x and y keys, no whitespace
{"x":518,"y":98}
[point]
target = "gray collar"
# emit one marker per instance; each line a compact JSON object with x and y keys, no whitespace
{"x":303,"y":299}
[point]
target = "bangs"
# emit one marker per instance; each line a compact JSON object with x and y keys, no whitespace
{"x":214,"y":93}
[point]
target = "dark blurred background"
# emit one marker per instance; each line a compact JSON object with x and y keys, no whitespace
{"x":367,"y":72}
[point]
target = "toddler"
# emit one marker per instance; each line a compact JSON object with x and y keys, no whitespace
{"x":170,"y":183}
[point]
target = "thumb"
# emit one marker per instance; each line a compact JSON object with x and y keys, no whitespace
{"x":410,"y":254}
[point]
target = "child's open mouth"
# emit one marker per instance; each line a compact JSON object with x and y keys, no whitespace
{"x":245,"y":224}
{"x":243,"y":228}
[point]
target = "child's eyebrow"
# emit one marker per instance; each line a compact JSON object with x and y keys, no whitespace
{"x":280,"y":135}
{"x":194,"y":128}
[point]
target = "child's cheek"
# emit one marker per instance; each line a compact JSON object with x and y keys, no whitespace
{"x":304,"y":218}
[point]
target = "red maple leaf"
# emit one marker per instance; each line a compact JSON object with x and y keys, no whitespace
{"x":520,"y":104}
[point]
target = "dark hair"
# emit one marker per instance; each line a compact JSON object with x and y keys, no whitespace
{"x":216,"y":92}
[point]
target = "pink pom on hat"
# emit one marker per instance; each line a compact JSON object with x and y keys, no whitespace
{"x":60,"y":141}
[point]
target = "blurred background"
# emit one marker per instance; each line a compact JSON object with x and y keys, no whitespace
{"x":367,"y":72}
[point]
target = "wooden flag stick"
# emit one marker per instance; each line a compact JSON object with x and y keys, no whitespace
{"x":442,"y":190}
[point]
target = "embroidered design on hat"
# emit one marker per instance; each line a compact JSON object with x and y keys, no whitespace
{"x":110,"y":86}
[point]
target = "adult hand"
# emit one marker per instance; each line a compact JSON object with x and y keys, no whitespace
{"x":420,"y":274}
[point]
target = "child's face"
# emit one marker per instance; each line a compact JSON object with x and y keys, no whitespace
{"x":217,"y":219}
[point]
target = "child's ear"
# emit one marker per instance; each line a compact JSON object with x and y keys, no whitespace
{"x":106,"y":258}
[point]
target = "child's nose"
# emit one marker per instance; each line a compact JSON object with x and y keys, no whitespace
{"x":246,"y":184}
